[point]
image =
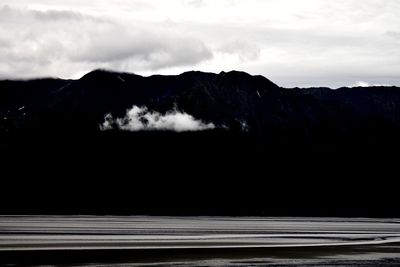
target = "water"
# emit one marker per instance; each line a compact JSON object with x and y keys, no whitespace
{"x":198,"y":241}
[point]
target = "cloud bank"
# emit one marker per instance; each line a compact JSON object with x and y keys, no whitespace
{"x":69,"y":43}
{"x":292,"y":42}
{"x":141,"y":119}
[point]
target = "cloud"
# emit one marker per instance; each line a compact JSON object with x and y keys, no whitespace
{"x":142,"y":48}
{"x":194,"y":3}
{"x":24,"y":15}
{"x":64,"y":42}
{"x":244,"y":50}
{"x":393,"y":34}
{"x":294,"y":43}
{"x":361,"y":84}
{"x":366,"y":84}
{"x":141,"y":119}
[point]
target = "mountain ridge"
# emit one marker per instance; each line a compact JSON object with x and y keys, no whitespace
{"x":273,"y":151}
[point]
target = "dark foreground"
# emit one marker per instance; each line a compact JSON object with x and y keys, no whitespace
{"x":324,"y":256}
{"x":197,"y":241}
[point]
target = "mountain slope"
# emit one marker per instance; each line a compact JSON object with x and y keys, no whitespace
{"x":271,"y":151}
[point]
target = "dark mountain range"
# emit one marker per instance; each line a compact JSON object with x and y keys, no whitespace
{"x":266,"y":150}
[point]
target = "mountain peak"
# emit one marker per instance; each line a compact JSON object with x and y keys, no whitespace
{"x":101,"y":73}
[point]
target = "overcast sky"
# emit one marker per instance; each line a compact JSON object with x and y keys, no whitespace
{"x":292,"y":42}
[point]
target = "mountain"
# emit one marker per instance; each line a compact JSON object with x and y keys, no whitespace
{"x":68,"y":146}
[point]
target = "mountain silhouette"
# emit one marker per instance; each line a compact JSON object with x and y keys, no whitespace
{"x":272,"y":150}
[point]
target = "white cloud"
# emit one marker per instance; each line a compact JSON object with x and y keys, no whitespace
{"x":194,"y":3}
{"x":141,"y":119}
{"x":366,"y":84}
{"x":361,"y":84}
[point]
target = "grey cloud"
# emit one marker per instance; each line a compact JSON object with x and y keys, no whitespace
{"x":194,"y":3}
{"x":303,"y":57}
{"x":44,"y":41}
{"x":40,"y":45}
{"x":141,"y":119}
{"x":244,"y":50}
{"x":258,"y":36}
{"x":393,"y":34}
{"x":153,"y":50}
{"x":4,"y":43}
{"x":53,"y":15}
{"x":22,"y":15}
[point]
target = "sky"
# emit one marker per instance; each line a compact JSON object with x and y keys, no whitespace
{"x":292,"y":42}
